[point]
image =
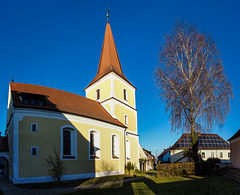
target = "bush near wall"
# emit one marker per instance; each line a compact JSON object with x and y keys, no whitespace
{"x":176,"y":169}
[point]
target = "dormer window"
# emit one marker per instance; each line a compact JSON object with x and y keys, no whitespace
{"x":32,"y":99}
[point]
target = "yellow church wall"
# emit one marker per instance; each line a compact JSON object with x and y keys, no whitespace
{"x":121,"y":111}
{"x":118,"y":91}
{"x":105,"y":90}
{"x":48,"y":137}
{"x":133,"y":150}
{"x":107,"y":106}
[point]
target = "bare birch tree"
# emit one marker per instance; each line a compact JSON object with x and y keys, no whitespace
{"x":192,"y":81}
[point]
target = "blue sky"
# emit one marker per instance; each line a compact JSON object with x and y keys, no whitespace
{"x":58,"y":44}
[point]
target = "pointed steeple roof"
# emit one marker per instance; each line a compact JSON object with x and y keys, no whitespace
{"x":109,"y":60}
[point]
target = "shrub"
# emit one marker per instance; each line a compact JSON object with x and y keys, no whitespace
{"x":177,"y":169}
{"x":56,"y":167}
{"x":129,"y":167}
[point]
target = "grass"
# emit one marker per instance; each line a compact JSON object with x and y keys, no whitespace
{"x":150,"y":184}
{"x":214,"y":185}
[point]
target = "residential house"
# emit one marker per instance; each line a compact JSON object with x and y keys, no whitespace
{"x":95,"y":135}
{"x":210,"y":146}
{"x":235,"y":149}
{"x":165,"y":156}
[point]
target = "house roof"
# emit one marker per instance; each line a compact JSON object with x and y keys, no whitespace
{"x":109,"y":60}
{"x":3,"y":144}
{"x":206,"y":141}
{"x":237,"y":134}
{"x":62,"y":101}
{"x":148,"y":153}
{"x":164,"y":152}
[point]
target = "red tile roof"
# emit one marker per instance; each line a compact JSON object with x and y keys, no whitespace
{"x":109,"y":60}
{"x":3,"y":144}
{"x":62,"y":101}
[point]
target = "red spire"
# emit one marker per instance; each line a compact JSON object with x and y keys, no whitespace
{"x":109,"y":60}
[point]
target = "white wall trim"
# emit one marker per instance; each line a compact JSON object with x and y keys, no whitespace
{"x":65,"y":177}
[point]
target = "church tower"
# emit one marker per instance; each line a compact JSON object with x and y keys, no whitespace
{"x":116,"y":94}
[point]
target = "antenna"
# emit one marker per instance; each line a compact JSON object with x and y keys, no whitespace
{"x":12,"y":78}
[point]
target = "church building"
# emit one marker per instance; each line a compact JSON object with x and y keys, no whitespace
{"x":95,"y":135}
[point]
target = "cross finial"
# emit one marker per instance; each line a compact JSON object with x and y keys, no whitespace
{"x":12,"y":78}
{"x":108,"y":15}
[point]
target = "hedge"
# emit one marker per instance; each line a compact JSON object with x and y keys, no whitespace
{"x":176,"y":169}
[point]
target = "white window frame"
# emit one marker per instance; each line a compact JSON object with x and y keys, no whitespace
{"x":73,"y":148}
{"x":116,"y":146}
{"x":220,"y":154}
{"x":32,"y":127}
{"x":96,"y":94}
{"x":212,"y":154}
{"x":97,"y":145}
{"x":32,"y":147}
{"x":126,"y":119}
{"x":124,"y":89}
{"x":128,"y":149}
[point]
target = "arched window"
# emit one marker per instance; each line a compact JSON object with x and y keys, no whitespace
{"x":115,"y":146}
{"x":68,"y":143}
{"x":94,"y":144}
{"x":128,"y":153}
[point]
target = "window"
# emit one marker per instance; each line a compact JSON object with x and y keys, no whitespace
{"x":115,"y":146}
{"x":212,"y":154}
{"x":221,"y":155}
{"x":25,"y":100}
{"x":34,"y":151}
{"x":128,"y":149}
{"x":97,"y":94}
{"x":228,"y":154}
{"x":126,"y":119}
{"x":125,"y":94}
{"x":32,"y":99}
{"x":68,"y":143}
{"x":94,"y":144}
{"x":203,"y":154}
{"x":34,"y":127}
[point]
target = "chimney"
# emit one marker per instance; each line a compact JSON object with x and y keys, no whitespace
{"x":198,"y":133}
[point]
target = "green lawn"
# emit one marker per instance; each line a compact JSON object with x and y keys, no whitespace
{"x":175,"y":185}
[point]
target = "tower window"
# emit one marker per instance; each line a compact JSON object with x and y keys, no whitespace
{"x":97,"y":94}
{"x":125,"y":94}
{"x":128,"y":149}
{"x":126,"y":119}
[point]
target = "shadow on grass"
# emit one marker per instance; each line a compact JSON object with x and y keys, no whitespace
{"x":212,"y":185}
